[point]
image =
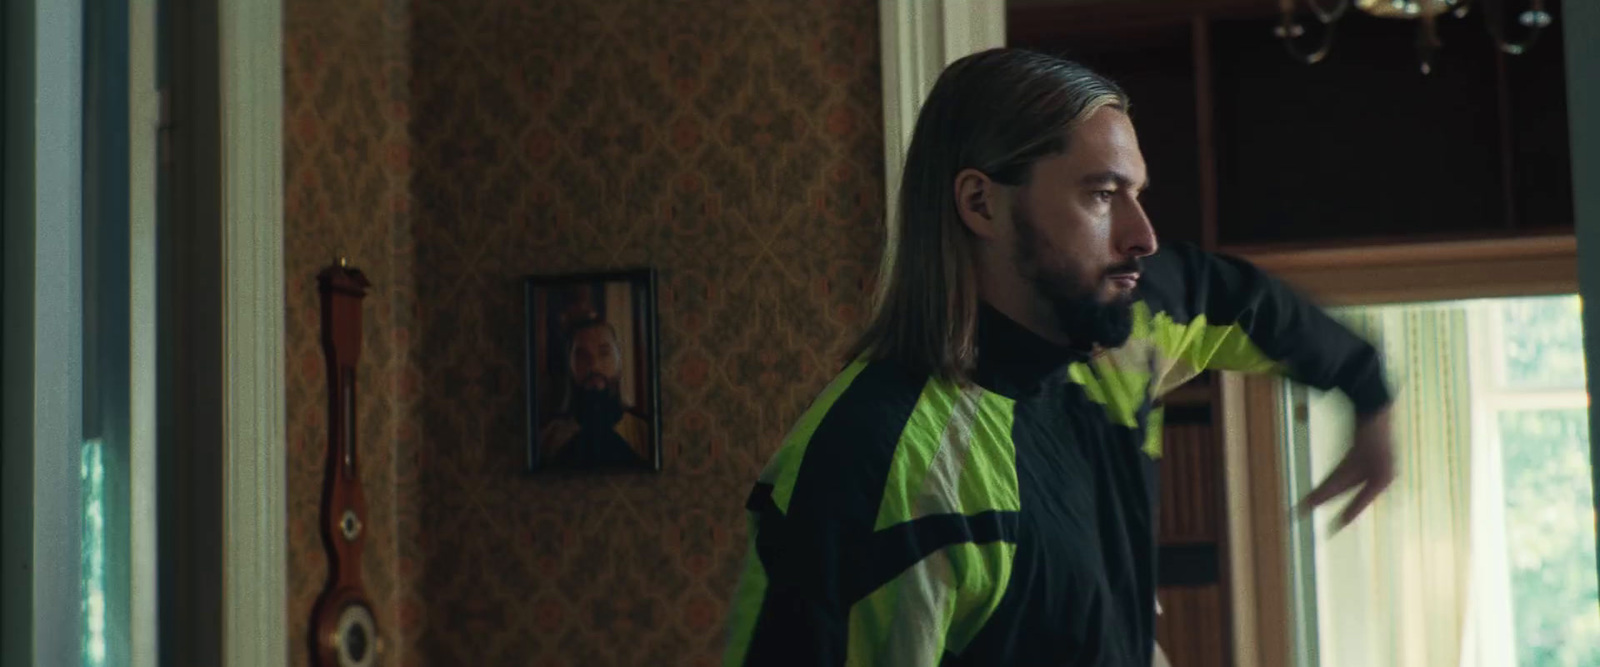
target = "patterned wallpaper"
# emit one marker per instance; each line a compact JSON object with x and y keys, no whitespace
{"x":348,"y":177}
{"x":453,"y":147}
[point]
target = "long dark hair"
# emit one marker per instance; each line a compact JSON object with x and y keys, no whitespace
{"x":999,"y":112}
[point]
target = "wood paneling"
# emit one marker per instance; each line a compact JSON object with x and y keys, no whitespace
{"x":1110,"y":18}
{"x":1191,"y":494}
{"x":1152,"y":63}
{"x":1192,"y":627}
{"x":1361,"y":144}
{"x":1248,"y":145}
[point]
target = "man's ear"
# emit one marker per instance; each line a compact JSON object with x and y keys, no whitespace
{"x":979,"y":202}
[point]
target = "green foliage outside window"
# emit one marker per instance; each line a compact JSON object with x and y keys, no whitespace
{"x":1550,"y":536}
{"x":1550,"y":517}
{"x":1543,"y":342}
{"x":93,"y":559}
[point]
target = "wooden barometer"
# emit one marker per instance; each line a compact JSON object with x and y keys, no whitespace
{"x":344,"y":629}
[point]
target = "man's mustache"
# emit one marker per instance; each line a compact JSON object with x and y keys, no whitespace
{"x":1130,"y":266}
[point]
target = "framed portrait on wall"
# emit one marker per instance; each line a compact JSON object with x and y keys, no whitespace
{"x":592,"y":372}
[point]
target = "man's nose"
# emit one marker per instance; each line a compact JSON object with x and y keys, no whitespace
{"x":1134,"y":235}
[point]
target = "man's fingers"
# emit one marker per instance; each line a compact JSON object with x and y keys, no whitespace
{"x":1342,"y":479}
{"x":1374,"y":487}
{"x":1368,"y":493}
{"x":1368,"y":468}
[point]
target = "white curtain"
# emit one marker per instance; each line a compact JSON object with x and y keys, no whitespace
{"x":1392,"y":588}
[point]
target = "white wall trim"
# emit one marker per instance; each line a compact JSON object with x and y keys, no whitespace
{"x":255,"y":568}
{"x":920,"y":37}
{"x":144,"y":116}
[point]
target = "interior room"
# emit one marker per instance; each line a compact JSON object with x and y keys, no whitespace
{"x":309,"y":307}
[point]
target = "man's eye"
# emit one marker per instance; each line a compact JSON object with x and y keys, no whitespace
{"x":1104,"y":196}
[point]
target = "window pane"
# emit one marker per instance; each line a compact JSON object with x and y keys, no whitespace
{"x":1543,"y":342}
{"x":93,"y":474}
{"x":1550,"y":537}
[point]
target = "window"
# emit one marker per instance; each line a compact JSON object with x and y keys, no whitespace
{"x":93,"y":479}
{"x":1530,"y":406}
{"x":1482,"y":554}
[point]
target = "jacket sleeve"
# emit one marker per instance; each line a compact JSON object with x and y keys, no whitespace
{"x":1205,"y":311}
{"x":882,"y":532}
{"x":789,"y":607}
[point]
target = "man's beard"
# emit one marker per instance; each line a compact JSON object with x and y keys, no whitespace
{"x":1084,"y":319}
{"x":1087,"y":322}
{"x":596,"y":408}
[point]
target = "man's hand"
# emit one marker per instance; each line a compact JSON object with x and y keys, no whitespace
{"x":1368,"y":468}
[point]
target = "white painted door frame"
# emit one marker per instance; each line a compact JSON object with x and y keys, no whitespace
{"x":144,"y":118}
{"x":255,"y":565}
{"x":918,"y":38}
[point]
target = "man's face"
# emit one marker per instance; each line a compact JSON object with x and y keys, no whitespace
{"x":594,"y":358}
{"x":1079,"y":228}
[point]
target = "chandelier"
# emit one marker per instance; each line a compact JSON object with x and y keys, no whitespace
{"x":1292,"y":29}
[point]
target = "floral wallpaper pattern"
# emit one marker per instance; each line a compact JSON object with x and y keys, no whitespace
{"x":450,"y":148}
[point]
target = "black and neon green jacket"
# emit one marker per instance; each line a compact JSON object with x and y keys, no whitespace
{"x":910,"y":521}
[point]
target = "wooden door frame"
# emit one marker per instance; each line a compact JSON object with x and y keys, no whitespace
{"x":1438,"y":271}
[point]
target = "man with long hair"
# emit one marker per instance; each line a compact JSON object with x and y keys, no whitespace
{"x":978,"y":486}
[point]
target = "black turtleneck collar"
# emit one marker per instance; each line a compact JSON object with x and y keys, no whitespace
{"x":1014,"y":361}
